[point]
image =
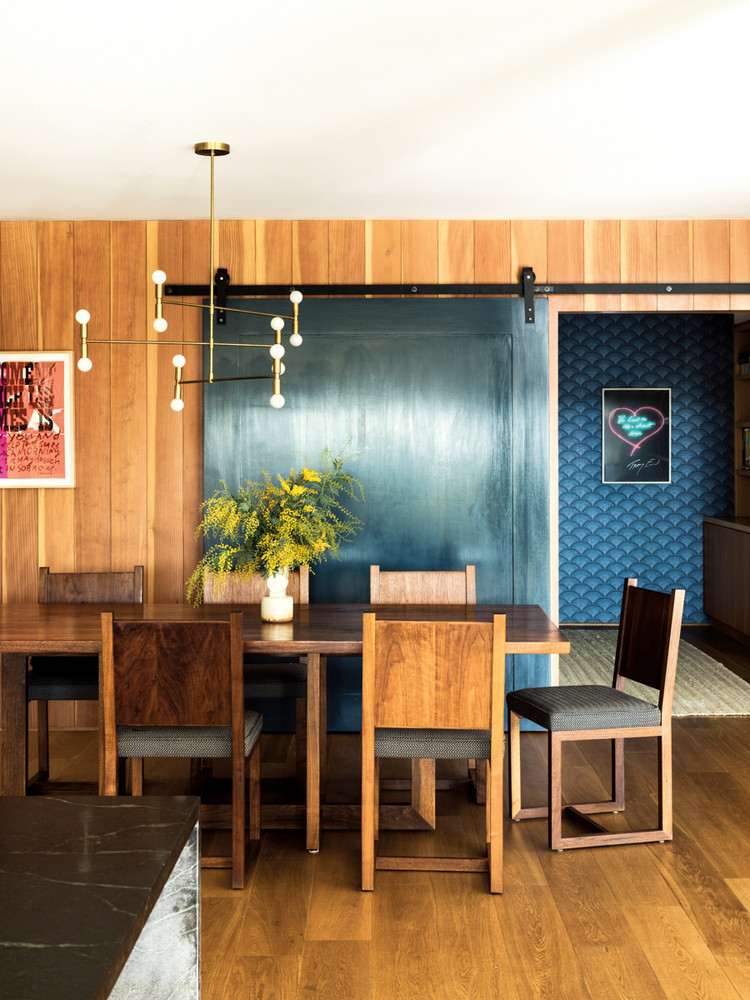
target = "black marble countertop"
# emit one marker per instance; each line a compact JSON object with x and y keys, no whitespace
{"x":78,"y":878}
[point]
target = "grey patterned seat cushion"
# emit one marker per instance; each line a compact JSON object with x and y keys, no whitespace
{"x":433,"y":744}
{"x":275,"y":680}
{"x":582,"y":706}
{"x":185,"y":741}
{"x":63,"y":678}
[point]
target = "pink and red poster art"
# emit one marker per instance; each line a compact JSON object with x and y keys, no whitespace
{"x":36,"y":419}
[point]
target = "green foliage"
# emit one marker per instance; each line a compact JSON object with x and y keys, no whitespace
{"x":269,"y":526}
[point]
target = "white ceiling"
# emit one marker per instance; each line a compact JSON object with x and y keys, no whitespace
{"x":342,"y":109}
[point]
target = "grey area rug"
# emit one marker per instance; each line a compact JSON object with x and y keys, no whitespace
{"x":703,"y":686}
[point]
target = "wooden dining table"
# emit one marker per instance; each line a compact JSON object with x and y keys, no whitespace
{"x":317,"y":630}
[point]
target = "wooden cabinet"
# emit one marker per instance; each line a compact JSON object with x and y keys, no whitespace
{"x":726,"y":574}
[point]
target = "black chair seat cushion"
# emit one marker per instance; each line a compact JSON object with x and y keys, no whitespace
{"x":433,"y":744}
{"x":275,"y":680}
{"x":185,"y":741}
{"x":63,"y":678}
{"x":582,"y":706}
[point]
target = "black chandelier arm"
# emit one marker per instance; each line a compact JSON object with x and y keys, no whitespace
{"x":210,"y":381}
{"x":206,"y":305}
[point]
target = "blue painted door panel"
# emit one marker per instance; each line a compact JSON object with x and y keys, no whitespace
{"x":445,"y":405}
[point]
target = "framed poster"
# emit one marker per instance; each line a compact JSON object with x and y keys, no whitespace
{"x":36,"y":419}
{"x":636,"y":435}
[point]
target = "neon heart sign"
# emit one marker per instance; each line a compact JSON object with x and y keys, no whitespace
{"x":635,"y":426}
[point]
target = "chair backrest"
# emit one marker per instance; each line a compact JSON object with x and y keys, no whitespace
{"x":431,"y":587}
{"x":171,"y":673}
{"x":433,"y":674}
{"x":90,"y":588}
{"x":248,"y":588}
{"x":648,"y":640}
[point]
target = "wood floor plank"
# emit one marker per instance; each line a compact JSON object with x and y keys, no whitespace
{"x":619,"y":973}
{"x":336,"y":970}
{"x":337,"y":911}
{"x":469,"y":931}
{"x":221,"y":920}
{"x":277,"y":907}
{"x":406,"y":958}
{"x":545,"y":961}
{"x":264,"y":978}
{"x":678,"y":954}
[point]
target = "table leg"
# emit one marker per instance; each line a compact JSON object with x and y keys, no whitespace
{"x":313,"y":753}
{"x":14,"y":722}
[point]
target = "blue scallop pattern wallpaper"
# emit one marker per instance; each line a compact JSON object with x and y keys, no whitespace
{"x":652,"y":532}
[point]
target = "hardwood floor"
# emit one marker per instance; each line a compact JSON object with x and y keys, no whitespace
{"x":652,"y":922}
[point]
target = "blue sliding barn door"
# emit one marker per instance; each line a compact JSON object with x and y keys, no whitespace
{"x":444,"y":404}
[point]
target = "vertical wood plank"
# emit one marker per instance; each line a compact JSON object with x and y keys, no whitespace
{"x":346,"y":252}
{"x":601,"y":263}
{"x":273,"y":252}
{"x":59,"y":332}
{"x":129,"y":416}
{"x":565,"y":261}
{"x":19,"y":331}
{"x":383,"y":252}
{"x":674,"y":261}
{"x":711,"y":263}
{"x":528,"y":241}
{"x":492,"y":263}
{"x":455,"y":251}
{"x":94,"y":401}
{"x":419,"y":252}
{"x":739,"y":259}
{"x":310,"y":253}
{"x":638,"y":243}
{"x":235,"y":251}
{"x":165,"y":427}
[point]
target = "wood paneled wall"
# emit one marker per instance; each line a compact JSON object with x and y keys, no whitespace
{"x":139,"y":465}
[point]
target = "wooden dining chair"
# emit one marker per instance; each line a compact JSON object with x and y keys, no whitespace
{"x":267,"y":677}
{"x":435,"y":690}
{"x":72,"y":678}
{"x":427,"y":587}
{"x":647,"y":647}
{"x":174,"y":689}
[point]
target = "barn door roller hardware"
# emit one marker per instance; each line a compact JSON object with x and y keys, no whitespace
{"x":526,"y":288}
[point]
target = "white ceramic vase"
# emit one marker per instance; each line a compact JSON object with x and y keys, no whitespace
{"x":277,"y":605}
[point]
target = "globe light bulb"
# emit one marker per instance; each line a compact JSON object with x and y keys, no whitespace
{"x":277,"y":323}
{"x":158,"y":277}
{"x":295,"y":297}
{"x":277,"y":401}
{"x":177,"y":405}
{"x":84,"y":364}
{"x":179,"y":361}
{"x":83,"y":316}
{"x":295,"y":340}
{"x":160,"y":324}
{"x":277,"y":351}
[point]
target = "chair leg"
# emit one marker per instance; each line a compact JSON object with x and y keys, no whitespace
{"x":664,"y":751}
{"x":42,"y":736}
{"x":554,"y":800}
{"x":368,"y":817}
{"x":618,"y":775}
{"x":423,"y":789}
{"x":253,"y":771}
{"x":136,"y":775}
{"x":494,"y":822}
{"x":514,"y":764}
{"x":239,"y":837}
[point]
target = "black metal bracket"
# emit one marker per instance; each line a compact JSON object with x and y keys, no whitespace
{"x":525,"y":289}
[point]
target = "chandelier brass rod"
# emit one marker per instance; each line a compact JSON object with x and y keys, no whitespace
{"x":179,"y":343}
{"x":235,"y":378}
{"x":229,"y":309}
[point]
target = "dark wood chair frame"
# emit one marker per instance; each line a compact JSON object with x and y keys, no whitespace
{"x":239,"y":588}
{"x":427,"y":587}
{"x":425,"y":676}
{"x":78,"y":588}
{"x":159,"y":673}
{"x":647,"y":649}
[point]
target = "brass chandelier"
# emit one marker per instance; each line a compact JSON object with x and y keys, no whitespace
{"x":160,"y":325}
